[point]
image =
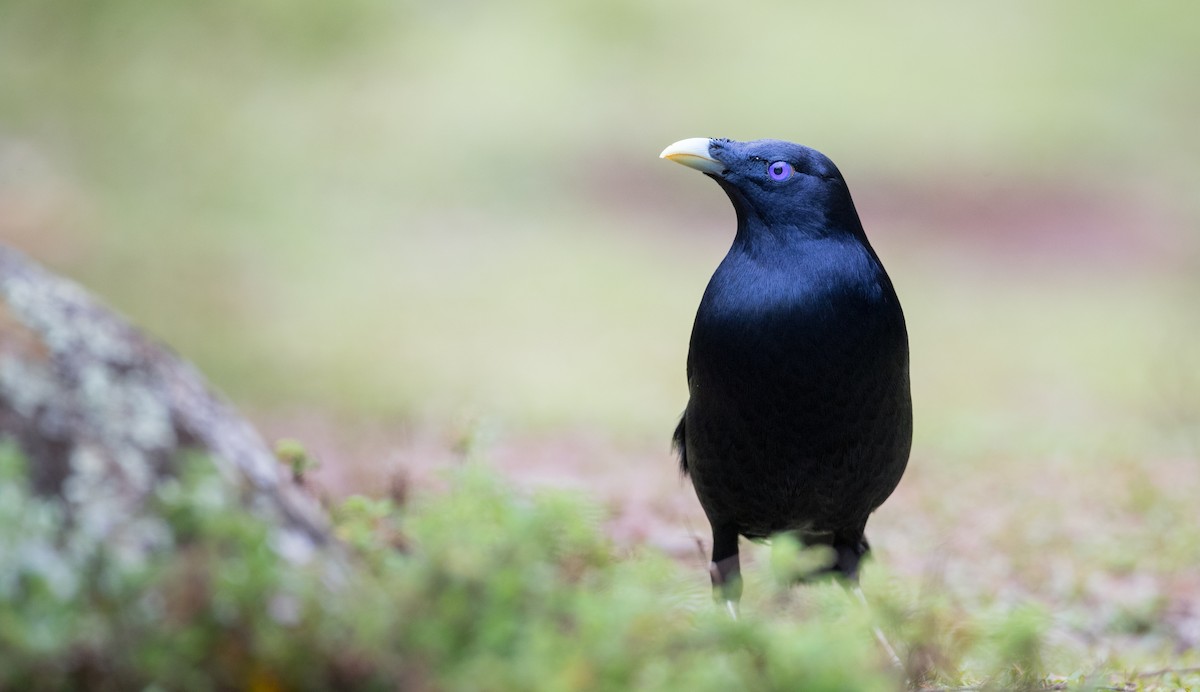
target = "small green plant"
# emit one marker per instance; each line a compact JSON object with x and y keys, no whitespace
{"x":296,"y":457}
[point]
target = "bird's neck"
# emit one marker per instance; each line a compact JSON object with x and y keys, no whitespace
{"x":784,"y":238}
{"x":772,"y":228}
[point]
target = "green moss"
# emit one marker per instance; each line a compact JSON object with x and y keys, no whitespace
{"x":477,"y":588}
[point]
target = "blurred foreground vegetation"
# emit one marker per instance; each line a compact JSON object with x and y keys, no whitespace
{"x":479,"y":588}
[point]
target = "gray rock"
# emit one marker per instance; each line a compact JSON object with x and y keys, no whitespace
{"x":105,"y":415}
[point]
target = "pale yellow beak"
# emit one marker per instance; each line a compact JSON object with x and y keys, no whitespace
{"x":693,"y":153}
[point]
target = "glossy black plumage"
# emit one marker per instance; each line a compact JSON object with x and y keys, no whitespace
{"x":799,"y":416}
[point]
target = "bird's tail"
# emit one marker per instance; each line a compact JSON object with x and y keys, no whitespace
{"x":679,"y":445}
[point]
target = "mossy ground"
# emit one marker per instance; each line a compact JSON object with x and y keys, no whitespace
{"x":480,"y":587}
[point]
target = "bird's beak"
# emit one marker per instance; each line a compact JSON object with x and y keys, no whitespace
{"x":693,"y":153}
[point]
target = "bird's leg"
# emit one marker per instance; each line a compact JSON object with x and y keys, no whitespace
{"x":879,"y":635}
{"x":727,"y":583}
{"x":725,"y":570}
{"x":849,"y":555}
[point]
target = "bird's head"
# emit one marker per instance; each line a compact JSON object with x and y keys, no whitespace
{"x":775,"y":186}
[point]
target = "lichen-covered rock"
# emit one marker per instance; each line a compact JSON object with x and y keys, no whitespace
{"x":103,"y":415}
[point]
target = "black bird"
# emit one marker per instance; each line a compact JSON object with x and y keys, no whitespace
{"x":799,"y":417}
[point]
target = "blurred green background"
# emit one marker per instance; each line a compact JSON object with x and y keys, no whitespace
{"x":420,"y":211}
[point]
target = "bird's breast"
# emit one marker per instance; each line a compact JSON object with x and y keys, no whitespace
{"x":795,"y":338}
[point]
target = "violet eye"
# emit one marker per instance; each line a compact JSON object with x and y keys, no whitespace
{"x":780,"y":170}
